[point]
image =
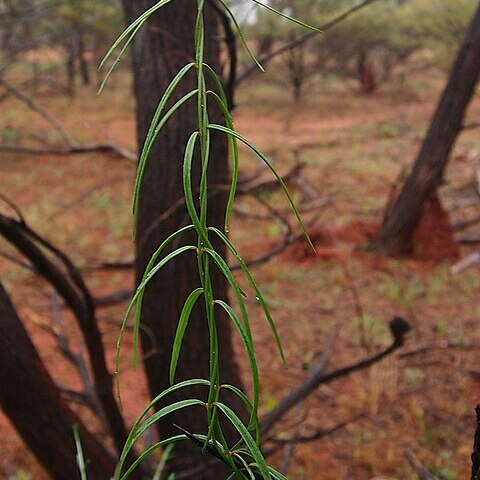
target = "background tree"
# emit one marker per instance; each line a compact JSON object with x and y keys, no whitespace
{"x":162,"y":47}
{"x":80,"y":31}
{"x":366,"y":46}
{"x":395,"y":236}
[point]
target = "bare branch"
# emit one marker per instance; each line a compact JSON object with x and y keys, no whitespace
{"x":15,"y":260}
{"x":72,"y":147}
{"x":398,"y":327}
{"x":35,"y":106}
{"x":422,"y":471}
{"x":112,"y":148}
{"x":88,"y":393}
{"x":466,"y":262}
{"x":312,"y":437}
{"x":466,"y":224}
{"x":74,"y":292}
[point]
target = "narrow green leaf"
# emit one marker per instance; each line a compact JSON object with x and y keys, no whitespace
{"x":240,"y":394}
{"x":233,"y":155}
{"x":116,"y":61}
{"x":229,"y":131}
{"x":187,"y":187}
{"x":246,"y":466}
{"x":79,"y":456}
{"x":145,"y":453}
{"x":258,"y":293}
{"x":240,"y":34}
{"x":181,"y":327}
{"x":163,"y":461}
{"x":247,"y":438}
{"x":276,"y":474}
{"x":129,"y":32}
{"x":148,"y":146}
{"x":288,"y":17}
{"x":251,"y":358}
{"x":225,"y":269}
{"x":167,"y":410}
{"x":137,"y":296}
{"x":138,"y":422}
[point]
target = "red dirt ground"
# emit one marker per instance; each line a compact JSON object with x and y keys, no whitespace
{"x":420,"y":399}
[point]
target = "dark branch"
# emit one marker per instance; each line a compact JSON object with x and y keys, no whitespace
{"x":112,"y":148}
{"x":317,"y":435}
{"x":398,"y":327}
{"x":35,"y":106}
{"x":422,"y":471}
{"x":74,"y":292}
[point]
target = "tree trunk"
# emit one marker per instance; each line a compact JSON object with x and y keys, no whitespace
{"x":32,"y":402}
{"x":160,"y":49}
{"x":82,"y":60}
{"x":395,"y":236}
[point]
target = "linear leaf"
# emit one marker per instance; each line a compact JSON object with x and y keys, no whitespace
{"x":233,"y":154}
{"x":181,"y":327}
{"x":257,"y":291}
{"x":240,"y":34}
{"x":145,"y":453}
{"x":229,"y":131}
{"x":251,"y":358}
{"x":187,"y":183}
{"x":79,"y":456}
{"x":247,"y":438}
{"x":167,"y":410}
{"x":288,"y":17}
{"x":148,"y":146}
{"x":138,"y":422}
{"x":137,"y":298}
{"x":128,"y":33}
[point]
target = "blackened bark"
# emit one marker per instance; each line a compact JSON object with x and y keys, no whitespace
{"x":32,"y":402}
{"x":395,"y":236}
{"x":161,"y":48}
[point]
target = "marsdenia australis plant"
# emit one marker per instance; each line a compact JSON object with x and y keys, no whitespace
{"x":244,"y":458}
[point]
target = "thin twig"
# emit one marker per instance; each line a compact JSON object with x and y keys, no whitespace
{"x":72,"y":289}
{"x":17,"y":261}
{"x":466,"y":223}
{"x":313,"y":437}
{"x":398,"y":327}
{"x":35,"y":106}
{"x":88,"y":393}
{"x":111,"y":147}
{"x":72,"y":147}
{"x":422,"y":471}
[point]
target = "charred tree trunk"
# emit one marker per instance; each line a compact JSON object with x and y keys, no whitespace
{"x":162,"y":47}
{"x":31,"y":400}
{"x":395,"y":236}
